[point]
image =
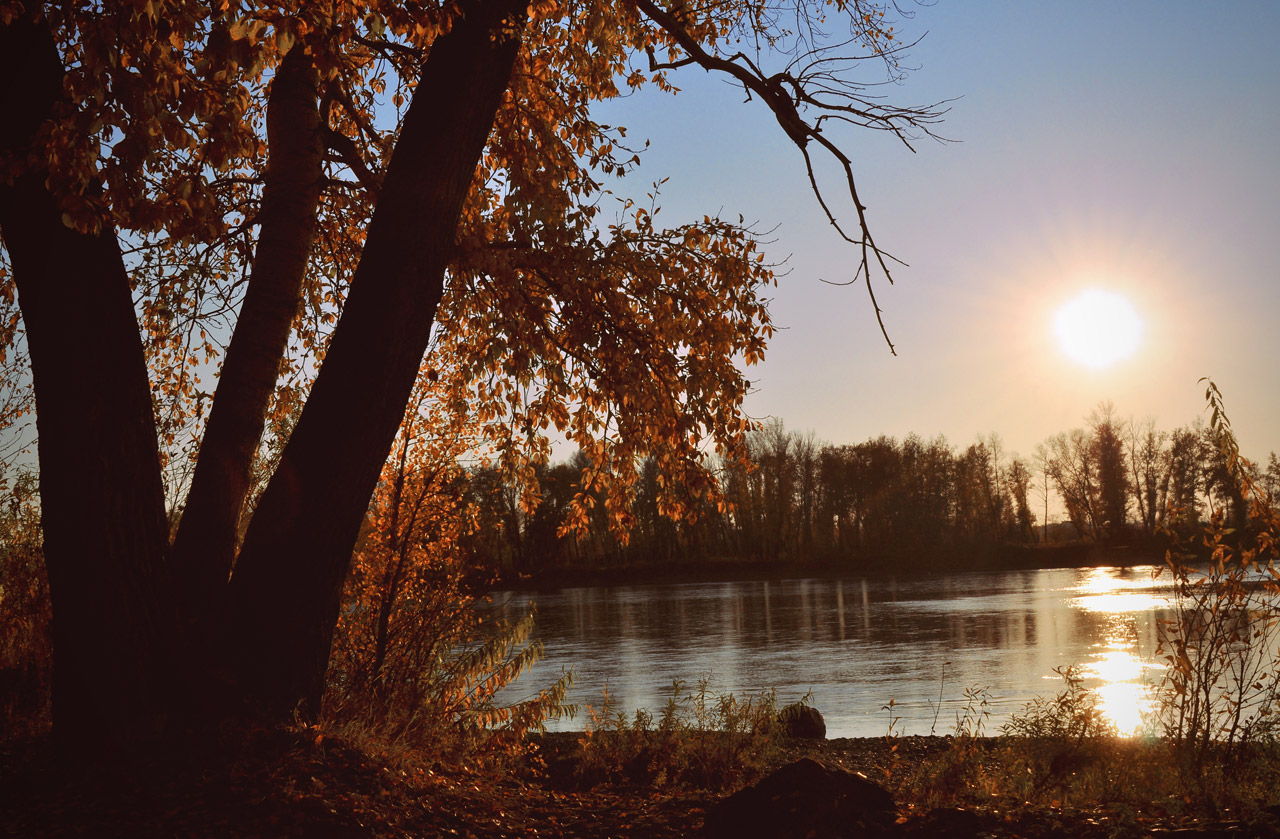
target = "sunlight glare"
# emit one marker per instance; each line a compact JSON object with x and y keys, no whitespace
{"x":1117,"y":675}
{"x":1116,"y":666}
{"x":1125,"y":704}
{"x":1119,"y":602}
{"x":1124,"y":695}
{"x":1098,"y":328}
{"x":1104,"y":591}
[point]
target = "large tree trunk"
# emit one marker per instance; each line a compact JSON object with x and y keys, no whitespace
{"x":122,"y":665}
{"x":286,"y":587}
{"x":204,"y":548}
{"x":116,"y":675}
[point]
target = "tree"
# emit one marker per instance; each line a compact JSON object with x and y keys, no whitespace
{"x":657,"y":537}
{"x":1270,"y":483}
{"x":773,"y":458}
{"x":318,"y":188}
{"x":1222,"y":484}
{"x":1149,"y":460}
{"x":418,"y":654}
{"x":24,"y":609}
{"x":927,"y":483}
{"x":877,"y":477}
{"x":1112,"y":478}
{"x":1187,"y":456}
{"x":407,"y":558}
{"x":805,"y":454}
{"x":1043,"y":461}
{"x":1071,"y":463}
{"x":499,"y":537}
{"x":1023,"y":526}
{"x":980,"y":505}
{"x":839,"y":478}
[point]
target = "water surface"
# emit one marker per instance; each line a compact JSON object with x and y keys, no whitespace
{"x":855,"y":643}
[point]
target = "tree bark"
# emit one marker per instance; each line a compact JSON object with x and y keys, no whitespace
{"x":117,"y":663}
{"x":287,"y":583}
{"x":204,"y":547}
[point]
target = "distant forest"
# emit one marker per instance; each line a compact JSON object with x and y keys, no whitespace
{"x":796,"y":499}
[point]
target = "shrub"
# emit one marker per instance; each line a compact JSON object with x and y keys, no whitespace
{"x":26,"y":647}
{"x":701,"y":739}
{"x":420,"y":656}
{"x":959,"y":770}
{"x":1057,"y":738}
{"x":1222,"y":677}
{"x":1074,"y":716}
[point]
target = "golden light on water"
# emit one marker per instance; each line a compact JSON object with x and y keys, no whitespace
{"x":1108,"y":580}
{"x":1117,"y":674}
{"x":1105,"y":591}
{"x":1116,"y":665}
{"x":1119,"y":603}
{"x":1125,"y":705}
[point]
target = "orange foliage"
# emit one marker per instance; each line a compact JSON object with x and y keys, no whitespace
{"x":565,"y":311}
{"x":417,"y":656}
{"x":25,"y":642}
{"x":623,"y":336}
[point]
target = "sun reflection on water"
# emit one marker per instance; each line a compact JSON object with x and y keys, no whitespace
{"x":1126,"y":705}
{"x":1104,"y":590}
{"x":1118,"y":674}
{"x":1116,"y":665}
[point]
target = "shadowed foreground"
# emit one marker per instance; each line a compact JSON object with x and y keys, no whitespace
{"x":300,"y":783}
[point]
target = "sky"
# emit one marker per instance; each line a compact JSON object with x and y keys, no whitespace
{"x":1132,"y":147}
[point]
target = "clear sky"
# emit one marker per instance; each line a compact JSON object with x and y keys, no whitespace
{"x":1128,"y":146}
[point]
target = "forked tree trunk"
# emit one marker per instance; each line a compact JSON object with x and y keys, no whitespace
{"x":204,"y":547}
{"x":287,"y":583}
{"x":118,"y":659}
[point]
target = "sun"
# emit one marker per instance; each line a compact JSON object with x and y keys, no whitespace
{"x":1098,"y":328}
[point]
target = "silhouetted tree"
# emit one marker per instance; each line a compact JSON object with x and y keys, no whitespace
{"x":1271,"y":479}
{"x":1023,"y":529}
{"x":1187,"y":456}
{"x":1072,"y":466}
{"x":1222,"y":485}
{"x":1112,"y":480}
{"x":236,"y":146}
{"x":1149,"y":461}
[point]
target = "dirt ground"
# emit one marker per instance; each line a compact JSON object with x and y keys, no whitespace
{"x":290,"y":783}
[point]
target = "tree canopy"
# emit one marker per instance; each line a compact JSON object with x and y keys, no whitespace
{"x":223,"y":219}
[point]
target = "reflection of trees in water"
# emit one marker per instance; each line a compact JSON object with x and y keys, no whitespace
{"x":799,"y":612}
{"x":855,"y":642}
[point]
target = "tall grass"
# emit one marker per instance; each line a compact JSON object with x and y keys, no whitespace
{"x":700,"y":739}
{"x":436,"y":699}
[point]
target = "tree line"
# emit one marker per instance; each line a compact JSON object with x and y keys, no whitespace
{"x":793,"y":498}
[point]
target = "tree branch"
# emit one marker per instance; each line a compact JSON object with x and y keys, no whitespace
{"x":349,"y":154}
{"x":815,"y":87}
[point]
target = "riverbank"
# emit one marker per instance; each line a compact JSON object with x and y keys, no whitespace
{"x":303,"y":783}
{"x":717,"y":570}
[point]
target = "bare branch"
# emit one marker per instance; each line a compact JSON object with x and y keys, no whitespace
{"x":350,"y":156}
{"x":814,"y":81}
{"x":389,"y":49}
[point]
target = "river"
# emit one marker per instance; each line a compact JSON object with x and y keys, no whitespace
{"x":854,"y":644}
